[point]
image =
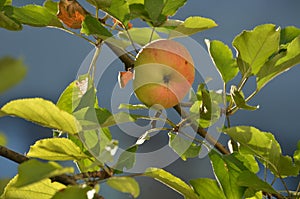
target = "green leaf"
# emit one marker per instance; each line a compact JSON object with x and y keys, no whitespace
{"x":12,"y":71}
{"x":59,"y":149}
{"x":297,"y":155}
{"x":183,"y":147}
{"x":35,"y":15}
{"x":133,"y":106}
{"x":73,"y":192}
{"x":255,"y":47}
{"x":52,"y":6}
{"x":100,"y":144}
{"x":192,"y":25}
{"x":288,"y":34}
{"x":223,"y":59}
{"x":33,"y":171}
{"x":5,"y":3}
{"x":171,"y":7}
{"x":239,"y":100}
{"x":227,"y":169}
{"x":140,"y":36}
{"x":125,"y":185}
{"x":207,"y":188}
{"x":248,"y":161}
{"x":92,"y":26}
{"x":280,"y":63}
{"x":3,"y":183}
{"x":42,"y":112}
{"x":101,"y":4}
{"x":8,"y":22}
{"x":250,"y":180}
{"x":171,"y":181}
{"x":2,"y":139}
{"x":126,"y":159}
{"x":206,"y":109}
{"x":264,"y":146}
{"x":43,"y":189}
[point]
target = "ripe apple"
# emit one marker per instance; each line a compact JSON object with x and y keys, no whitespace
{"x":163,"y":73}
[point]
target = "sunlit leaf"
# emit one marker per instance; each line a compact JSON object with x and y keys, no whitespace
{"x":207,"y":188}
{"x":56,"y":149}
{"x":280,"y":63}
{"x":171,"y":181}
{"x":12,"y":71}
{"x":125,"y":185}
{"x":223,"y":59}
{"x":183,"y":147}
{"x":140,"y":36}
{"x":42,"y":112}
{"x":33,"y":171}
{"x":248,"y":161}
{"x":73,"y":192}
{"x":92,"y":26}
{"x":43,"y":189}
{"x":264,"y":146}
{"x":2,"y":139}
{"x":255,"y":47}
{"x":35,"y":15}
{"x":192,"y":25}
{"x":250,"y":180}
{"x":297,"y":155}
{"x":227,"y":169}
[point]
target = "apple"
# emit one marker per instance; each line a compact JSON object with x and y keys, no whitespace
{"x":163,"y":73}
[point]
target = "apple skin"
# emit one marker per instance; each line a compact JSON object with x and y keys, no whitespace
{"x":163,"y":73}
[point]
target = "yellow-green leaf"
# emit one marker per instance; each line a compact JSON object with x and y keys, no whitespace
{"x":125,"y":185}
{"x":42,"y":112}
{"x":171,"y":181}
{"x":44,"y":189}
{"x":33,"y":171}
{"x":56,"y":149}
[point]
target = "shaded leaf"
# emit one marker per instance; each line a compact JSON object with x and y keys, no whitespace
{"x":140,"y":36}
{"x":12,"y":71}
{"x":73,"y":192}
{"x":42,"y":112}
{"x":171,"y":181}
{"x":255,"y":47}
{"x":288,"y":34}
{"x":33,"y":171}
{"x":3,"y":183}
{"x":192,"y":25}
{"x":5,"y":3}
{"x":8,"y":22}
{"x":35,"y":15}
{"x":43,"y":189}
{"x":280,"y":63}
{"x":250,"y":180}
{"x":248,"y":161}
{"x":125,"y":185}
{"x":92,"y":26}
{"x":56,"y":149}
{"x":207,"y":188}
{"x":264,"y":146}
{"x":126,"y":159}
{"x":52,"y":6}
{"x":240,"y":101}
{"x":223,"y":59}
{"x":183,"y":147}
{"x":227,"y":169}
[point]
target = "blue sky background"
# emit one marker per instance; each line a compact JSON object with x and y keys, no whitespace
{"x":53,"y":58}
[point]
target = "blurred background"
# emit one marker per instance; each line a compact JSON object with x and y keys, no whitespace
{"x":53,"y":58}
